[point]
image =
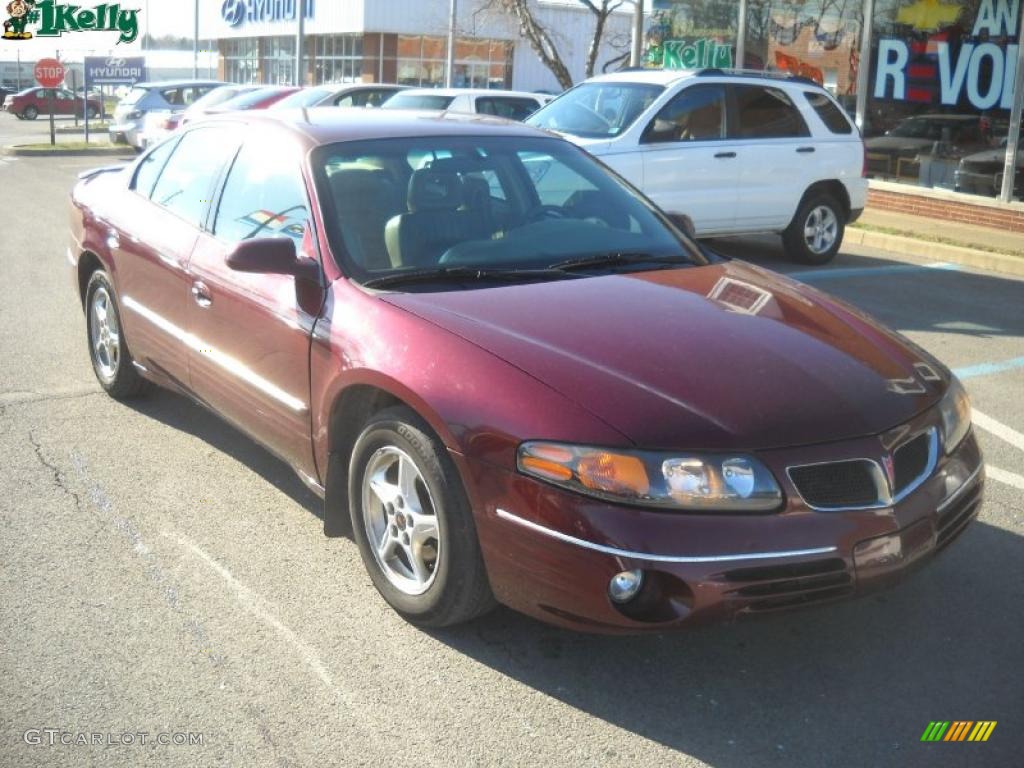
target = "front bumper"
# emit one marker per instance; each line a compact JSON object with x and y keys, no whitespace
{"x":551,"y":553}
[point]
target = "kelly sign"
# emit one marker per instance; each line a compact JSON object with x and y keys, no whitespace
{"x":979,"y":68}
{"x":694,"y":54}
{"x":114,"y":70}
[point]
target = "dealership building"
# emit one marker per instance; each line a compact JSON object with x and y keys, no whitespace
{"x":401,"y":41}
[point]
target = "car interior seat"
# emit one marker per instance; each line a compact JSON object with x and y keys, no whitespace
{"x":439,"y":216}
{"x":366,"y":199}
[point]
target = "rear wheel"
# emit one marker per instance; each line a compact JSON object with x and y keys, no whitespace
{"x":91,"y":113}
{"x":816,"y":232}
{"x":413,"y":524}
{"x":30,"y":112}
{"x":111,"y":360}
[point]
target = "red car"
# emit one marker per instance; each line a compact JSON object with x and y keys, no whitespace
{"x":512,"y":379}
{"x":32,"y":102}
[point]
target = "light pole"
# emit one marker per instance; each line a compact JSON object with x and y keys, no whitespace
{"x":637,"y":52}
{"x":1013,"y":140}
{"x":449,"y":66}
{"x":300,"y":34}
{"x":195,"y":43}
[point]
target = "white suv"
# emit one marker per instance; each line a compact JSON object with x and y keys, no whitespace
{"x":725,"y":152}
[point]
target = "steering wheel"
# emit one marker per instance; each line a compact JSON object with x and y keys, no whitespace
{"x":541,"y":212}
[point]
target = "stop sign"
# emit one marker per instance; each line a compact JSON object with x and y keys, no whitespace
{"x":49,"y":73}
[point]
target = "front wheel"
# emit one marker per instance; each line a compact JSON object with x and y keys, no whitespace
{"x":816,"y":232}
{"x":108,"y":351}
{"x":30,"y":113}
{"x":413,"y":524}
{"x":91,"y":113}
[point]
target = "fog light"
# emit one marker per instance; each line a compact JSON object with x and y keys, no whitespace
{"x":624,"y":586}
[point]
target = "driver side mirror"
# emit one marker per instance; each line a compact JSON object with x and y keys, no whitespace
{"x":271,"y":256}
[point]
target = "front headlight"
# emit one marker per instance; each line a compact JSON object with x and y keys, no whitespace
{"x":695,"y":482}
{"x":956,"y":415}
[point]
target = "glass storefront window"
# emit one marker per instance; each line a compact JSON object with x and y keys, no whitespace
{"x":241,"y":60}
{"x":338,"y":59}
{"x":279,"y":60}
{"x":817,"y":39}
{"x":940,"y":94}
{"x":478,"y":63}
{"x":689,"y":34}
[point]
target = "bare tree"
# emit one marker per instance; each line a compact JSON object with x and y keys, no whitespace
{"x":542,"y":42}
{"x":601,"y":11}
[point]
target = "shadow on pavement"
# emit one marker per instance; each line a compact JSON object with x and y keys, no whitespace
{"x":940,"y":300}
{"x":181,"y":413}
{"x":851,"y":684}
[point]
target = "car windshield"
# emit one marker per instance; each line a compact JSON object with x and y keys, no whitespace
{"x":596,"y":110}
{"x":307,"y":97}
{"x":435,"y":205}
{"x":134,"y":95}
{"x":418,"y":101}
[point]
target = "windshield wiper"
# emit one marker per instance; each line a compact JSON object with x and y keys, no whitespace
{"x":620,"y":259}
{"x":465,"y":273}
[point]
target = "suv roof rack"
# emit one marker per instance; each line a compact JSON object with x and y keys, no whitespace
{"x":772,"y":74}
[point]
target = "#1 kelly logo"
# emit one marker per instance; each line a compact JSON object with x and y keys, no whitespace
{"x":54,"y":19}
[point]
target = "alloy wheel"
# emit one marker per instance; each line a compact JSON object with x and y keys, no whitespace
{"x":821,"y":229}
{"x":400,"y":521}
{"x":104,"y":334}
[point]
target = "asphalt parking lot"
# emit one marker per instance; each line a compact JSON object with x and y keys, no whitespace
{"x":161,"y":574}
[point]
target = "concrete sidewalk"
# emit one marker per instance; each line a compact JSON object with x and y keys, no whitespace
{"x":996,"y":250}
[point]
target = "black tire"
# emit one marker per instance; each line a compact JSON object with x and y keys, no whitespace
{"x":797,"y":245}
{"x":91,"y":113}
{"x":121,"y":380}
{"x":30,"y":113}
{"x":459,"y":590}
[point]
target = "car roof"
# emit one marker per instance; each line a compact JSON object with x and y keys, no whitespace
{"x":652,"y":76}
{"x":327,"y":125}
{"x":179,"y":83}
{"x":472,"y":92}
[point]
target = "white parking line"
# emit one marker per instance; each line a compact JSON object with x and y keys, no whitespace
{"x":1002,"y":476}
{"x":254,"y":604}
{"x":1000,"y":430}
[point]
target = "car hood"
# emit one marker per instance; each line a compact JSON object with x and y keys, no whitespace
{"x":722,"y":357}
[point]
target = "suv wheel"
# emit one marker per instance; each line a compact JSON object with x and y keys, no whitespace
{"x":816,"y":232}
{"x":30,"y":112}
{"x":108,"y":351}
{"x":413,"y":524}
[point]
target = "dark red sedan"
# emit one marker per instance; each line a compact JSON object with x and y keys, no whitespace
{"x":511,"y":378}
{"x":32,"y":102}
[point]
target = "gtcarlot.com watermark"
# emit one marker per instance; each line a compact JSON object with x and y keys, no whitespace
{"x":52,"y":737}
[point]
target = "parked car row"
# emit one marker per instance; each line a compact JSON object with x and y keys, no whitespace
{"x":153,"y":110}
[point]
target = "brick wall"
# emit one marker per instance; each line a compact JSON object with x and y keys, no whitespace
{"x":1011,"y":219}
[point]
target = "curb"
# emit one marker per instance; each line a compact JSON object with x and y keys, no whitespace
{"x":72,"y":130}
{"x":22,"y":151}
{"x":911,"y":246}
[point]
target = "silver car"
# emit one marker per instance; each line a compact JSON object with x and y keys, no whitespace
{"x":172,"y":96}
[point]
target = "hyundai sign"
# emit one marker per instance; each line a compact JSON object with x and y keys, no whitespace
{"x":114,"y":70}
{"x":238,"y":12}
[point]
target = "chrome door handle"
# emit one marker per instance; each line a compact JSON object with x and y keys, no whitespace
{"x":201,"y":294}
{"x":725,"y":155}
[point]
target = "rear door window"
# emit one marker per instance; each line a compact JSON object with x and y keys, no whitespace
{"x":831,"y":115}
{"x":764,"y":112}
{"x":186,"y":183}
{"x":150,"y":167}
